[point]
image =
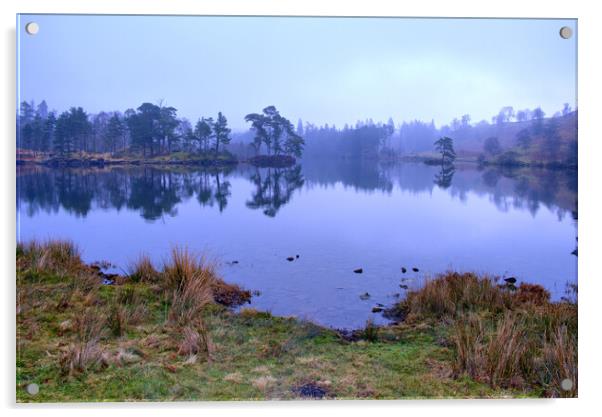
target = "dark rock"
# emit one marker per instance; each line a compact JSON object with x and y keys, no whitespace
{"x":297,"y":256}
{"x":290,"y":259}
{"x":403,"y":269}
{"x":510,"y":280}
{"x":574,"y":252}
{"x":415,"y":269}
{"x":364,"y":296}
{"x":403,"y":286}
{"x":358,"y":271}
{"x":310,"y":391}
{"x":377,"y":309}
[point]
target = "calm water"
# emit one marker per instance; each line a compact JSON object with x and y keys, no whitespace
{"x":337,"y":216}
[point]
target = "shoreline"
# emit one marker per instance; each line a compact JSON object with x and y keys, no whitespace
{"x":552,"y":166}
{"x":144,"y":334}
{"x":261,"y":161}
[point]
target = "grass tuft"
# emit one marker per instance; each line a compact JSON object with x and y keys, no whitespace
{"x":509,"y":339}
{"x":142,"y":270}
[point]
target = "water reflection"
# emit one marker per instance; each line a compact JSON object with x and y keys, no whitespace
{"x":155,"y":192}
{"x":274,"y":188}
{"x":444,"y":177}
{"x":338,"y":215}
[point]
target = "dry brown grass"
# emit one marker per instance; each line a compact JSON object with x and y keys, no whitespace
{"x":85,"y":352}
{"x":507,"y":338}
{"x":188,"y":280}
{"x":54,"y":256}
{"x":468,"y":336}
{"x":560,"y":363}
{"x":506,"y":350}
{"x":453,"y":293}
{"x":142,"y":270}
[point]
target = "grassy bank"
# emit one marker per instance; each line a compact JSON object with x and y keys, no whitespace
{"x":88,"y":159}
{"x":171,"y":334}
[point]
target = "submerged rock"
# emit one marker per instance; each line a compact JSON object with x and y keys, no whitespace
{"x":364,"y":296}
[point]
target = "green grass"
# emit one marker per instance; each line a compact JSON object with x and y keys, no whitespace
{"x":253,"y":354}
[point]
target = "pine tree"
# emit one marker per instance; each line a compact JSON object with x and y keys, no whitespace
{"x":445,"y":146}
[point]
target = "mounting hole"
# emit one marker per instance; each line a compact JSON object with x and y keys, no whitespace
{"x":566,"y":384}
{"x":32,"y":28}
{"x":33,"y":389}
{"x":566,"y":32}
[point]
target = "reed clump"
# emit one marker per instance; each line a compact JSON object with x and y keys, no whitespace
{"x":55,"y":256}
{"x":143,"y":270}
{"x":507,"y":337}
{"x":188,"y":281}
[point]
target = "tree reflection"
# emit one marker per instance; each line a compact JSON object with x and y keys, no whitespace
{"x":444,"y":177}
{"x":213,"y":189}
{"x":274,"y":188}
{"x":151,"y":191}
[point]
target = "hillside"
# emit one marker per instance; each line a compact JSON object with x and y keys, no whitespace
{"x":546,"y":141}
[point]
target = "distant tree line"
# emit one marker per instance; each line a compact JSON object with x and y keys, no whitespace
{"x":366,"y":139}
{"x":151,"y":129}
{"x":155,"y":129}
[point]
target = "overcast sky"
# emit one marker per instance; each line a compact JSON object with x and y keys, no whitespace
{"x":323,"y":70}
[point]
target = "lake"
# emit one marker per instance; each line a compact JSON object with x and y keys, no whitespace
{"x":336,"y":215}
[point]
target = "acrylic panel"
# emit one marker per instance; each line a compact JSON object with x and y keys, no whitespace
{"x":237,"y":208}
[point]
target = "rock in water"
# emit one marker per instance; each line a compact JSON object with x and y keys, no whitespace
{"x":510,"y":280}
{"x":358,"y":271}
{"x":415,"y":269}
{"x":403,"y":269}
{"x":297,"y":256}
{"x":377,"y":309}
{"x":364,"y":296}
{"x":290,"y":259}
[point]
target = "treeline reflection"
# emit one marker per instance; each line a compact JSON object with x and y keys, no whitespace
{"x":155,"y":192}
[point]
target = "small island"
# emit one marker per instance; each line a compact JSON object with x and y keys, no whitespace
{"x":150,"y":135}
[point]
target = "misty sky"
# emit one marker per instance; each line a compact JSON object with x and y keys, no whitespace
{"x":323,"y":70}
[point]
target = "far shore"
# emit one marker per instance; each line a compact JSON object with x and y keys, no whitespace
{"x":263,"y":161}
{"x":179,"y":158}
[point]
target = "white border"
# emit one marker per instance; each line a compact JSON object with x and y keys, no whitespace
{"x":590,"y":210}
